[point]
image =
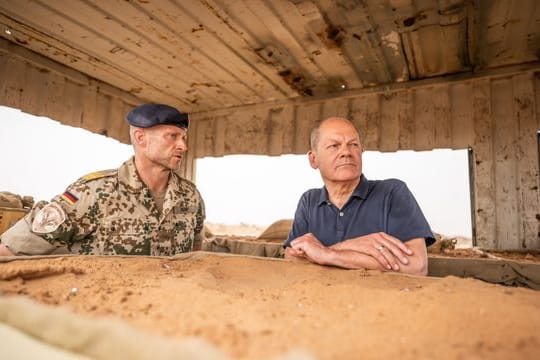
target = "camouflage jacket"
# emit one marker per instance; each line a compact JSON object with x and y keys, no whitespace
{"x":112,"y":212}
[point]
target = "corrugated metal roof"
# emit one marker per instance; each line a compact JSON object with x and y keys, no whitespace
{"x":212,"y":54}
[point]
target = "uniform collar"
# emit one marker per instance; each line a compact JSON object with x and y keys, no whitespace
{"x":361,"y":191}
{"x":127,"y":175}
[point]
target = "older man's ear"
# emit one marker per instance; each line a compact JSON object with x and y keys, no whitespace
{"x":312,"y":159}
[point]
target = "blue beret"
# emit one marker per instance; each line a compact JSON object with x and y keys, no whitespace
{"x":148,"y":115}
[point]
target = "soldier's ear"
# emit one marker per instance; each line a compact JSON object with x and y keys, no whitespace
{"x":139,"y":136}
{"x":312,"y":159}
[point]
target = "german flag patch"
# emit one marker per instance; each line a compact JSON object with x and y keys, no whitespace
{"x":69,"y":197}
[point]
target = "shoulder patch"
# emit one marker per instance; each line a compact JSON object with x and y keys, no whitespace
{"x":99,"y":175}
{"x":48,"y":219}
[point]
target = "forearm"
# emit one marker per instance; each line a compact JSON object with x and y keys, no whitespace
{"x":409,"y":257}
{"x":350,"y":259}
{"x":19,"y":240}
{"x":417,"y":266}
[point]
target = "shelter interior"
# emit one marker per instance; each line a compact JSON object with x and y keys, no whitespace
{"x":257,"y":75}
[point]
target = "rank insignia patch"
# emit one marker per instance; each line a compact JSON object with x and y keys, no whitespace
{"x":69,"y":197}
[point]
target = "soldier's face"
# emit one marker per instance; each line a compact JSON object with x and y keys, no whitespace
{"x":166,"y":145}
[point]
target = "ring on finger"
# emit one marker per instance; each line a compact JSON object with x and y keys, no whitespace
{"x":380,"y":247}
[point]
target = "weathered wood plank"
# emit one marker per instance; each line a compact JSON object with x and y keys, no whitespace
{"x":203,"y":137}
{"x":220,"y":126}
{"x":389,"y":126}
{"x":307,"y":117}
{"x":441,"y":117}
{"x":484,"y":169}
{"x":116,"y":119}
{"x":528,"y":198}
{"x":124,"y":46}
{"x":371,"y":118}
{"x":74,"y":95}
{"x":461,"y":109}
{"x":335,"y":108}
{"x":246,"y":132}
{"x":33,"y":87}
{"x":11,"y":86}
{"x":405,"y":118}
{"x":280,"y":131}
{"x":537,"y":92}
{"x":54,"y":106}
{"x":357,"y":111}
{"x":504,"y":131}
{"x":124,"y":133}
{"x":424,"y":129}
{"x":91,"y":109}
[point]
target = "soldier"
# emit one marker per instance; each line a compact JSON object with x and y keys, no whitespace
{"x":142,"y":208}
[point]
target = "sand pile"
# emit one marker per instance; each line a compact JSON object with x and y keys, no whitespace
{"x":259,"y":308}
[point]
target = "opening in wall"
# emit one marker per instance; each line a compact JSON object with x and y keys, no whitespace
{"x":40,"y":156}
{"x":259,"y":190}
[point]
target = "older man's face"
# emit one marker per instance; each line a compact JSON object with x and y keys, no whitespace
{"x":338,"y":155}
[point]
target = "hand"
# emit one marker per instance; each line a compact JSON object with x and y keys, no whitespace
{"x":310,"y":248}
{"x":295,"y":255}
{"x":386,"y":249}
{"x":4,"y":251}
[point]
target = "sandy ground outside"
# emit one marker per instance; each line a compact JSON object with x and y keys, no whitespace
{"x":259,"y":308}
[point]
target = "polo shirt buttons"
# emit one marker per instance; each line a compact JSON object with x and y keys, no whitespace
{"x":341,"y":213}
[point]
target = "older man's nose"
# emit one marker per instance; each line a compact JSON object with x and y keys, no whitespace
{"x":345,"y":150}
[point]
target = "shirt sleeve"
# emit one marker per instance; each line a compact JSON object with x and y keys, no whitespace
{"x":66,"y":219}
{"x":300,"y":223}
{"x":405,"y":218}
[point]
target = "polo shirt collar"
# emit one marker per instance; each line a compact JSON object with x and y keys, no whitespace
{"x":361,"y":191}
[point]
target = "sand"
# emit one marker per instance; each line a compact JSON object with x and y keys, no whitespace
{"x":252,"y":308}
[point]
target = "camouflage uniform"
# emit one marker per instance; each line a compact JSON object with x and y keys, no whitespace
{"x":112,"y":212}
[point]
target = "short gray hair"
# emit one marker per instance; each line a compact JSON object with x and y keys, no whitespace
{"x":314,"y":137}
{"x":315,"y":134}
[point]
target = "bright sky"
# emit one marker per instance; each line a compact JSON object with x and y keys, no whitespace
{"x":40,"y":157}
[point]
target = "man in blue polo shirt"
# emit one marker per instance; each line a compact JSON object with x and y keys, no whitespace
{"x":353,"y":222}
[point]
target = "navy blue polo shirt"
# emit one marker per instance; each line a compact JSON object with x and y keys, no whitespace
{"x":374,"y":206}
